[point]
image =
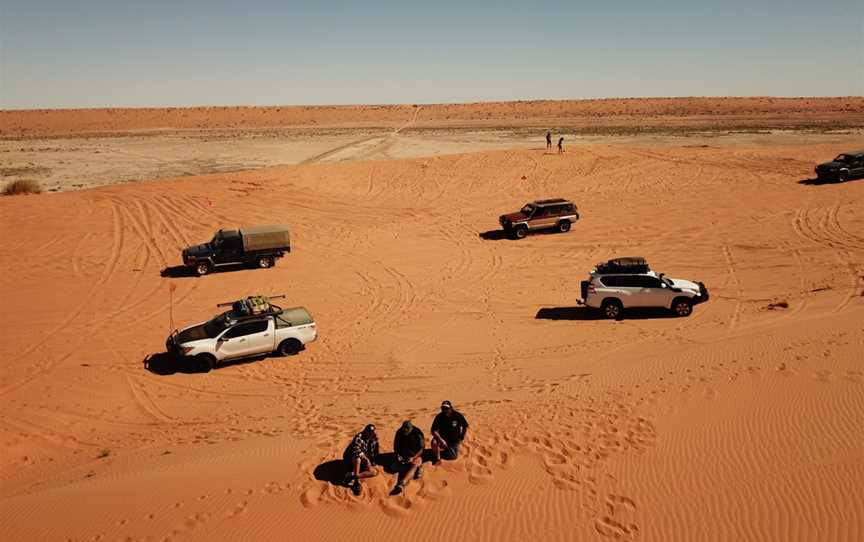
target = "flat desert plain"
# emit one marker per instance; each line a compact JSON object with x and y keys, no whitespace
{"x":740,"y":422}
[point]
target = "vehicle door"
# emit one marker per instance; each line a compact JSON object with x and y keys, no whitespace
{"x":857,"y":168}
{"x":653,"y":292}
{"x":621,"y":287}
{"x":246,"y":339}
{"x":230,"y":249}
{"x":546,"y":217}
{"x":631,"y":290}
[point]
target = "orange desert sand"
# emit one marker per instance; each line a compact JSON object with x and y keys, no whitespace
{"x":741,"y":422}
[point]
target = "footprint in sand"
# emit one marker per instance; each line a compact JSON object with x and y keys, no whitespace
{"x":618,"y":522}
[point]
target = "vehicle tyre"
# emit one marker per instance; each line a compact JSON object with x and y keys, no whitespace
{"x":290,"y":347}
{"x":612,"y":309}
{"x":265,"y":261}
{"x":520,"y":231}
{"x":682,"y":307}
{"x":843,"y":176}
{"x":203,"y":363}
{"x":564,"y":226}
{"x":202,"y":268}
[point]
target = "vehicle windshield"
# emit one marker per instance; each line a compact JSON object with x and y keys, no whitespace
{"x":527,"y":210}
{"x":845,"y":158}
{"x":667,"y":281}
{"x":216,"y":326}
{"x":217,"y":239}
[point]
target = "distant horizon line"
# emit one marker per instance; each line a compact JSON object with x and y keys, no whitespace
{"x":419,"y":104}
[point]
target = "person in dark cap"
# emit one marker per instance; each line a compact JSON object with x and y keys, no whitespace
{"x":408,"y":445}
{"x":360,"y":457}
{"x":449,"y":429}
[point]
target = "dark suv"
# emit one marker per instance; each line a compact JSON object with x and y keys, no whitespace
{"x":543,"y":214}
{"x":846,"y":166}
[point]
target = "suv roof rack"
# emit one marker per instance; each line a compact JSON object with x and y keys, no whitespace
{"x":629,"y":264}
{"x":553,"y":201}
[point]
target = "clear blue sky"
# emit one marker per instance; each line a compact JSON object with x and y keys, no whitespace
{"x":176,"y":53}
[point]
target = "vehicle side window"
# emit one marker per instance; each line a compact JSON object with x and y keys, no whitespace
{"x":610,"y":281}
{"x":231,"y":243}
{"x":248,"y":328}
{"x":648,"y":282}
{"x":628,"y":281}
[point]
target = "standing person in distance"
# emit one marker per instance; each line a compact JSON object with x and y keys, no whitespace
{"x":560,"y":145}
{"x":408,"y":444}
{"x":548,"y":139}
{"x":449,"y":429}
{"x":360,"y":457}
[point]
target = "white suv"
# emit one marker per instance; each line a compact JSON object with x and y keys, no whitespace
{"x":623,"y":283}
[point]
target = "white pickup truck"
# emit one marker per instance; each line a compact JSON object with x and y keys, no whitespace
{"x":232,"y":336}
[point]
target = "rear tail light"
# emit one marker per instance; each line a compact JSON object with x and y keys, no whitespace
{"x":592,"y":289}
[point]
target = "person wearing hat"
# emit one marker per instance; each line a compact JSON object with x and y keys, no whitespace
{"x":360,"y":457}
{"x":449,"y":429}
{"x":408,"y":445}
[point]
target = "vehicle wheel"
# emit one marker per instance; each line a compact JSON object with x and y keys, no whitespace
{"x":564,"y":226}
{"x":520,"y":231}
{"x":264,"y":262}
{"x":202,"y":268}
{"x":289,"y":347}
{"x":612,"y":309}
{"x":843,"y":176}
{"x":203,"y":363}
{"x":682,"y":307}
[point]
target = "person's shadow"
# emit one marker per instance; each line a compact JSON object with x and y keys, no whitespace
{"x":334,"y":471}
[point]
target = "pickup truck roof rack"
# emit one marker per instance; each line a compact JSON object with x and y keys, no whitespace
{"x":251,"y":307}
{"x":630,"y":264}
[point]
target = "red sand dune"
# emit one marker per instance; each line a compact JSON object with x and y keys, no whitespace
{"x":738,"y":423}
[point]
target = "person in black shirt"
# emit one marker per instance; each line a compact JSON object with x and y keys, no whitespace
{"x":560,"y":145}
{"x":448,"y":431}
{"x":360,"y":457}
{"x":408,"y":445}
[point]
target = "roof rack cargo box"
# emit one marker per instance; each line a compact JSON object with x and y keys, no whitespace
{"x":265,"y":237}
{"x":629,"y":264}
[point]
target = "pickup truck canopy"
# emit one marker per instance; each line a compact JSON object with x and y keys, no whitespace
{"x":265,"y":237}
{"x":296,"y":316}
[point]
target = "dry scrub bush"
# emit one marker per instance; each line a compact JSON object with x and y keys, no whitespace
{"x":22,"y":186}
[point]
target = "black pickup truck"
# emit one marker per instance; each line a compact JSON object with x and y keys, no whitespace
{"x":257,"y":245}
{"x":846,"y":166}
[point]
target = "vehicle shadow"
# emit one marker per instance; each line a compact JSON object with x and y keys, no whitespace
{"x":181,"y":271}
{"x":499,"y":235}
{"x":494,"y":235}
{"x":165,"y":363}
{"x":820,"y":182}
{"x":587,"y":313}
{"x":178,"y":271}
